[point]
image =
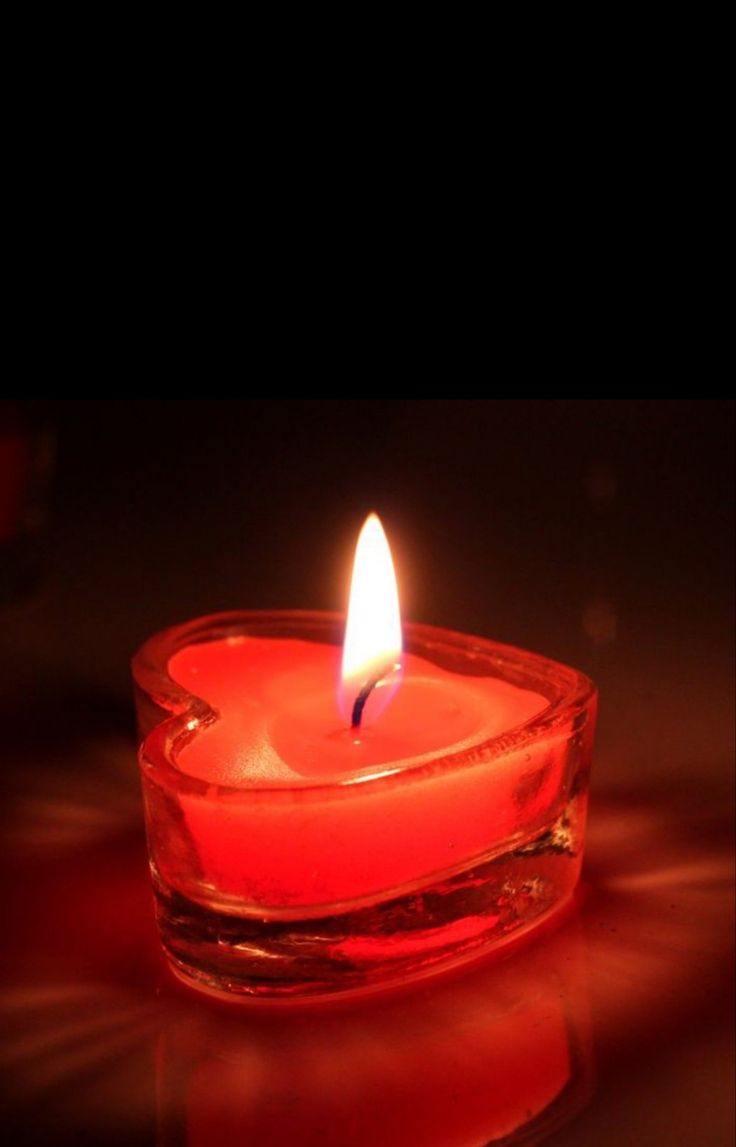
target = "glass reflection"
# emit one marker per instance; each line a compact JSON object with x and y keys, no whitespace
{"x":500,"y":1054}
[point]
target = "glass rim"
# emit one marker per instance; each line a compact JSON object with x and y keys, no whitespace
{"x":573,"y":694}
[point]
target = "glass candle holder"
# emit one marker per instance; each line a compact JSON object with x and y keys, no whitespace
{"x":343,"y":884}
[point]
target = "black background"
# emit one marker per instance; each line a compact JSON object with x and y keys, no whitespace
{"x":596,"y":532}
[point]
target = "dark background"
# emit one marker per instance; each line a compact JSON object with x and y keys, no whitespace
{"x":597,"y":532}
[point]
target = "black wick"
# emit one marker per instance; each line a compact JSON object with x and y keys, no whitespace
{"x":365,"y":692}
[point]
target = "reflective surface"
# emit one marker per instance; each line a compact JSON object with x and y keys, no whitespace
{"x":601,"y":539}
{"x":98,"y":1036}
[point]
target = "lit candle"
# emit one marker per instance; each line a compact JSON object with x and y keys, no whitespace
{"x":307,"y":838}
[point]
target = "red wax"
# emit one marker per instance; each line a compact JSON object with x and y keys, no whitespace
{"x":302,"y":811}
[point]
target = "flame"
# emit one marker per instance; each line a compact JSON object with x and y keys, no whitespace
{"x":371,"y":656}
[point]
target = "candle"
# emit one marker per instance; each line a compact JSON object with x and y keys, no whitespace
{"x":322,"y":822}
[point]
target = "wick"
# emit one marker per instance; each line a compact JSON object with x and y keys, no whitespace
{"x":365,"y":693}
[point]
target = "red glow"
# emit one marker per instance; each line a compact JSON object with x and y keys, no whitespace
{"x":276,"y":722}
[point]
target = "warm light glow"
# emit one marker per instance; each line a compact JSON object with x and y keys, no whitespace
{"x":371,"y":658}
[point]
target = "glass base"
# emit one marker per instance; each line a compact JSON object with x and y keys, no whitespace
{"x":403,"y":937}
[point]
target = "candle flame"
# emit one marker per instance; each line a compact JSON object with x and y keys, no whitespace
{"x":371,"y":656}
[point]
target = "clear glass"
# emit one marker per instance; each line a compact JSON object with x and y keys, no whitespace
{"x":513,"y":808}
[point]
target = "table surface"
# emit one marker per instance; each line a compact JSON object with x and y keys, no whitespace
{"x":99,"y":1044}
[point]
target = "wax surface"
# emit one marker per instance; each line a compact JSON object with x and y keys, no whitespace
{"x":278,"y":720}
{"x":297,"y":826}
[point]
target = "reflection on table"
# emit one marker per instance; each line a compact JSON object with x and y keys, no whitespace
{"x":497,"y":1054}
{"x":100,"y":1041}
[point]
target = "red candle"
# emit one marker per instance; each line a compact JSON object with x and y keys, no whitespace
{"x":287,"y":734}
{"x":291,"y":788}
